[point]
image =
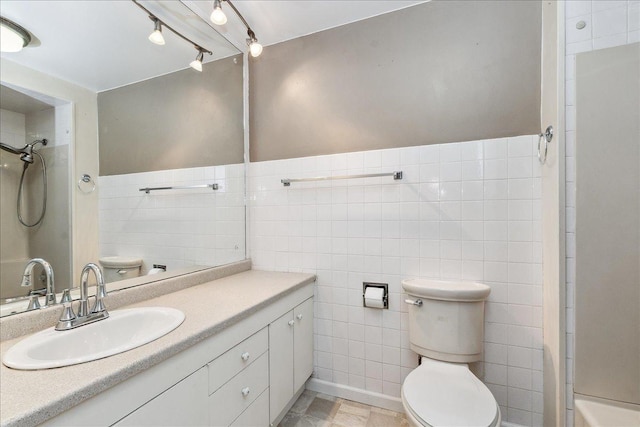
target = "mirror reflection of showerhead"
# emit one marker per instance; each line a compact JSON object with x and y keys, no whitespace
{"x":26,"y":152}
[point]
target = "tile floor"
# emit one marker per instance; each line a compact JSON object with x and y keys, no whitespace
{"x":319,"y":410}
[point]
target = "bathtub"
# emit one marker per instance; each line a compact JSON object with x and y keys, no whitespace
{"x":592,"y":412}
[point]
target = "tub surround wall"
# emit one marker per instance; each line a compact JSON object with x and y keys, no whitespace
{"x":607,"y":225}
{"x":609,"y":24}
{"x":463,"y":211}
{"x":14,"y":245}
{"x":443,"y":71}
{"x":176,"y":228}
{"x":51,"y":240}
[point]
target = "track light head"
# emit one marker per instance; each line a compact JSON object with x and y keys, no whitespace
{"x":255,"y":48}
{"x":156,"y":36}
{"x":218,"y":16}
{"x":196,"y":64}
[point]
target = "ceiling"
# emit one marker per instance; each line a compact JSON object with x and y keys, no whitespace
{"x":101,"y":45}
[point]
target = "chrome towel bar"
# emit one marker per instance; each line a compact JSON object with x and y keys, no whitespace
{"x":187,"y":187}
{"x":287,"y":181}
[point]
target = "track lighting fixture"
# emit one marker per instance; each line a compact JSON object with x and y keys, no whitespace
{"x":196,"y":64}
{"x":13,"y":37}
{"x":218,"y":16}
{"x":156,"y":37}
{"x":255,"y":48}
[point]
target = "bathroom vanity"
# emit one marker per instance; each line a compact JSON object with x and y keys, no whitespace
{"x":241,"y":357}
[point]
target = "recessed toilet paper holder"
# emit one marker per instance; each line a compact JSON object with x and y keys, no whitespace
{"x":385,"y":293}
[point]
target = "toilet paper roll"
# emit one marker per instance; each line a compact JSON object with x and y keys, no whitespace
{"x":155,"y":271}
{"x":374,"y":297}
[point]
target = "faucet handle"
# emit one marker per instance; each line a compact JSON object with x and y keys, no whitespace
{"x":101,"y":292}
{"x":34,"y":303}
{"x":67,"y":312}
{"x":66,"y":296}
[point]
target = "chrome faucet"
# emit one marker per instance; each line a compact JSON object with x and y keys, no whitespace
{"x":69,"y":320}
{"x":27,"y":281}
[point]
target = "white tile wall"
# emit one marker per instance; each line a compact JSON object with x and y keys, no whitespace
{"x":12,"y":128}
{"x":609,"y":23}
{"x":177,"y":228}
{"x":463,"y":211}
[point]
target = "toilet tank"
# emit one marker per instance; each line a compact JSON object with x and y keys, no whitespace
{"x":120,"y":267}
{"x":446,"y":318}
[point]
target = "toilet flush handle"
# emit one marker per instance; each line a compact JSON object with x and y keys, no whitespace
{"x":417,"y":302}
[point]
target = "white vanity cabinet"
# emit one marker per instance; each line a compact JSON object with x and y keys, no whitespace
{"x":247,"y":374}
{"x":184,"y":404}
{"x":237,"y":379}
{"x":291,"y":351}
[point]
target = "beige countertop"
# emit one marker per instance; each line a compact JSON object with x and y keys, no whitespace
{"x":32,"y":397}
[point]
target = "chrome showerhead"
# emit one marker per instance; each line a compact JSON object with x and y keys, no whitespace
{"x":26,"y":152}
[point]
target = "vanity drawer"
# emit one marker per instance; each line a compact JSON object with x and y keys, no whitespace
{"x":235,"y":360}
{"x":226,"y":404}
{"x":257,"y":414}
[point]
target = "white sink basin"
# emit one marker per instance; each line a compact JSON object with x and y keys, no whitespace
{"x":122,"y":331}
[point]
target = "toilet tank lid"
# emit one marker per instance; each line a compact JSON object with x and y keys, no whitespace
{"x":120,"y":262}
{"x":447,"y":290}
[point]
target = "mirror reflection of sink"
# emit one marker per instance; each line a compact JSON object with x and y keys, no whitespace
{"x":122,"y":331}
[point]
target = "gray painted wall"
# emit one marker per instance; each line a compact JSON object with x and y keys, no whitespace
{"x":180,"y":120}
{"x":438,"y":72}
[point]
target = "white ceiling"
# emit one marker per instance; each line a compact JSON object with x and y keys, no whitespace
{"x":275,"y":21}
{"x":101,"y":45}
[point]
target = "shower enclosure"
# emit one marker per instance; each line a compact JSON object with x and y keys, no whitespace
{"x":34,"y":189}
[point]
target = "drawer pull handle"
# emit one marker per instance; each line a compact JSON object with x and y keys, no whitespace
{"x":291,"y":322}
{"x":299,"y":316}
{"x":122,"y":271}
{"x":245,"y":391}
{"x":245,"y":356}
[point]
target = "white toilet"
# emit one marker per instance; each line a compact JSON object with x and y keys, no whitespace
{"x":446,"y":328}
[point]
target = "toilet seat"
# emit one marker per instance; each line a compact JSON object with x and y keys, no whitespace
{"x":448,"y":394}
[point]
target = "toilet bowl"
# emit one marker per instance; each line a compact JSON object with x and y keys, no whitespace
{"x":446,"y":328}
{"x":448,"y":394}
{"x":120,"y":267}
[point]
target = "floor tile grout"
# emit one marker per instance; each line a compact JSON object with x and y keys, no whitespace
{"x":318,"y":410}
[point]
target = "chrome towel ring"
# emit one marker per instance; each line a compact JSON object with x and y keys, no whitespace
{"x":86,"y":179}
{"x":542,"y":151}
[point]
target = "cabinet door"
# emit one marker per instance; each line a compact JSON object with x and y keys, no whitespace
{"x":184,"y":404}
{"x":280,"y":364}
{"x":302,"y":343}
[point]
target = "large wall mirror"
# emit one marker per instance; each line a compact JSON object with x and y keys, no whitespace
{"x":106,"y":113}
